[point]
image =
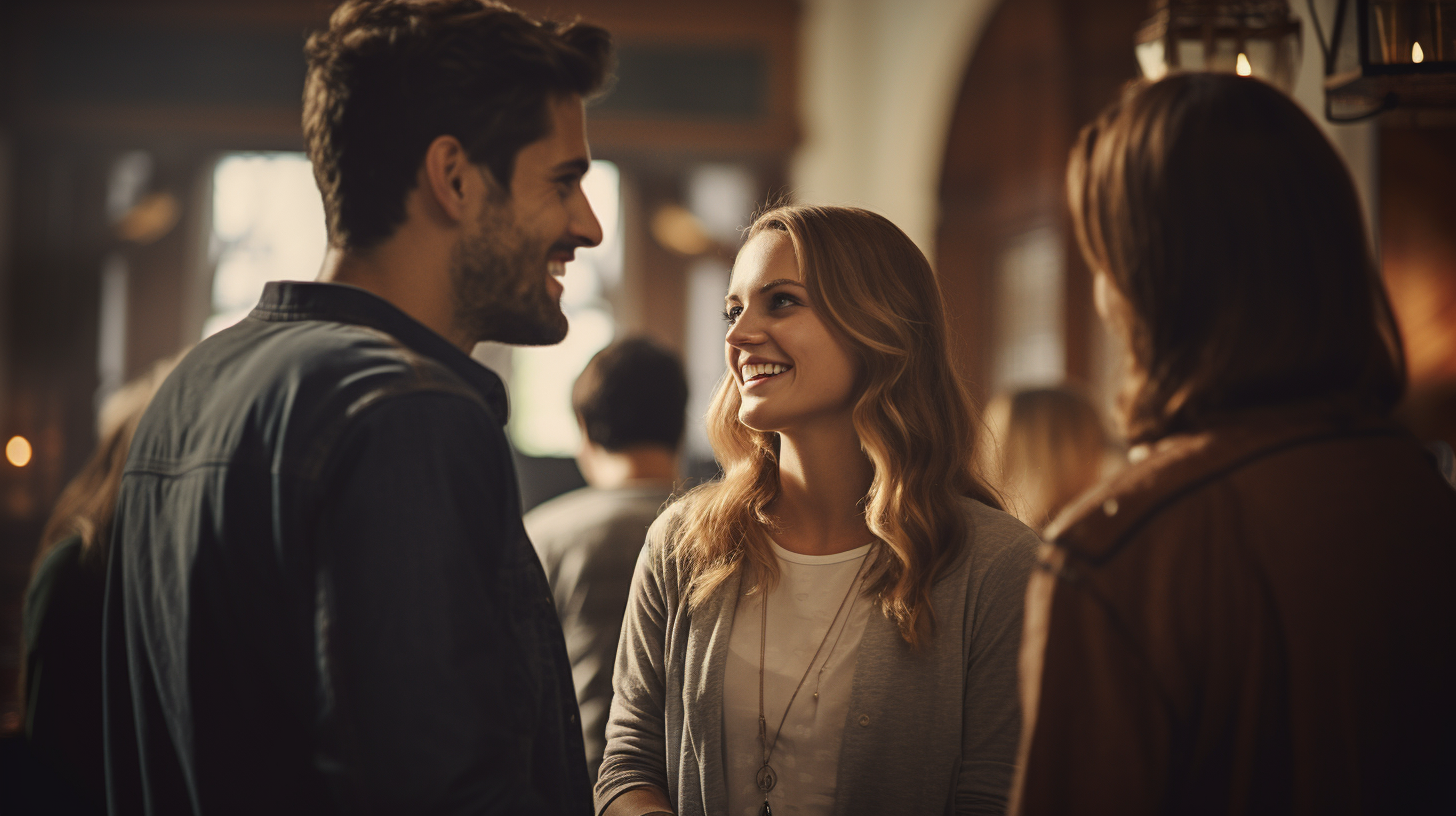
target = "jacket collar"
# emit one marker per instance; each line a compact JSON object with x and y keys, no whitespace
{"x":1096,"y":526}
{"x":341,"y":303}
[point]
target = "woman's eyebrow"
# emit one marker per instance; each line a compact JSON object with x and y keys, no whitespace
{"x":731,"y":298}
{"x":781,"y":282}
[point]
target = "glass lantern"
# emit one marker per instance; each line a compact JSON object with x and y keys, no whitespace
{"x":1384,"y":54}
{"x":1250,"y":38}
{"x":1410,"y":32}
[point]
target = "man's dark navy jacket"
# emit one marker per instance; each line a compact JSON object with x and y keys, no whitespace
{"x":321,"y":597}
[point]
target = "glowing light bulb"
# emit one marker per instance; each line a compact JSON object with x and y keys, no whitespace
{"x":1417,"y":55}
{"x":17,"y":450}
{"x":1243,"y":68}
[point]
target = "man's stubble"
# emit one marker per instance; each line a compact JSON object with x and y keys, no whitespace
{"x":498,"y":276}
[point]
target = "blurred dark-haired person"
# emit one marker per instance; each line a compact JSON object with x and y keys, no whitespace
{"x":1255,"y":617}
{"x":322,"y":598}
{"x":631,"y":403}
{"x":64,"y":602}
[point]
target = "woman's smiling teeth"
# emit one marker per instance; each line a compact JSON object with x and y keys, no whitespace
{"x":753,"y":371}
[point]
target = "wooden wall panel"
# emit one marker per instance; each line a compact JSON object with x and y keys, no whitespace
{"x":1418,"y":259}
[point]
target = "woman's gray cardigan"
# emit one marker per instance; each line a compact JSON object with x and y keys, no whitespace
{"x":929,"y":730}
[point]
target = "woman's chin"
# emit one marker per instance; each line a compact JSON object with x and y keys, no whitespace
{"x":757,"y":420}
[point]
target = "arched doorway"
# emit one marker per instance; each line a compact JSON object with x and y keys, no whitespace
{"x":1018,"y":293}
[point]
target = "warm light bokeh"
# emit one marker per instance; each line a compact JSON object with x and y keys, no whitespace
{"x":17,"y":451}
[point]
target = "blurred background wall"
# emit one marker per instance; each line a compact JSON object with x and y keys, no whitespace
{"x":150,"y":180}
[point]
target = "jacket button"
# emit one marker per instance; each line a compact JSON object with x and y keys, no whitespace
{"x":864,"y":720}
{"x":1110,"y":507}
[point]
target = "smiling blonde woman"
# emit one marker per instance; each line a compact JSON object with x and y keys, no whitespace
{"x":832,"y":626}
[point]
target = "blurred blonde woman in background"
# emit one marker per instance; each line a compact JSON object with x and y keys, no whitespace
{"x":1042,"y":448}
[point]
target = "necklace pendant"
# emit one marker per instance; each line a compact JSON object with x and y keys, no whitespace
{"x":765,"y":810}
{"x":766,"y":780}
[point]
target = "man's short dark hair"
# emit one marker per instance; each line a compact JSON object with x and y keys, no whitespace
{"x":632,"y":393}
{"x":388,"y":77}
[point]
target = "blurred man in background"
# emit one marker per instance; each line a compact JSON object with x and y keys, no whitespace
{"x":322,"y":598}
{"x":631,"y":402}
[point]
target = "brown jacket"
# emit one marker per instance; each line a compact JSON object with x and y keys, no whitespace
{"x":1254,"y":619}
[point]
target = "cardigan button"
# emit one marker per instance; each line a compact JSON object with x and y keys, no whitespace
{"x":864,"y":720}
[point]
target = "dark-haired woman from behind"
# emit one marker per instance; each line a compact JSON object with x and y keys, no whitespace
{"x":1256,"y":616}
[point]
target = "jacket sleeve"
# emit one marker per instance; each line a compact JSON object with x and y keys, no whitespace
{"x":1151,"y":670}
{"x":636,"y":753}
{"x":1096,"y":739}
{"x":992,"y":715}
{"x":421,"y":660}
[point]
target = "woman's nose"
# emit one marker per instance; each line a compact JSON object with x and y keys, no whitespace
{"x":744,"y":332}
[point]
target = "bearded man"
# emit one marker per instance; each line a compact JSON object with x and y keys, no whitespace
{"x":322,"y":598}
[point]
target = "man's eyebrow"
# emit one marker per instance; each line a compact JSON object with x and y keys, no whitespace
{"x":577,"y":166}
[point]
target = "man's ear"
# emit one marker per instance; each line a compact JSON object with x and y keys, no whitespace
{"x":444,"y":172}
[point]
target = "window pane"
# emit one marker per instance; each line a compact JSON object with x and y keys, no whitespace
{"x":267,"y":224}
{"x":542,"y":422}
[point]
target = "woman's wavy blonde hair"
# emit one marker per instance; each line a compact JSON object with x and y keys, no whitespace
{"x":873,"y":288}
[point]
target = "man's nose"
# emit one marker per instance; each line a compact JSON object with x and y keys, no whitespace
{"x":583,"y":223}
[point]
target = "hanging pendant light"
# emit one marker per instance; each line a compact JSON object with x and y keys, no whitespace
{"x":1384,"y":54}
{"x":1250,"y":38}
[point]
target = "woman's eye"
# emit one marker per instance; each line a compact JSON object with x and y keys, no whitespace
{"x":730,"y":316}
{"x":781,"y":299}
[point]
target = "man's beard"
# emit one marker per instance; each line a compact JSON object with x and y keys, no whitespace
{"x":498,"y":277}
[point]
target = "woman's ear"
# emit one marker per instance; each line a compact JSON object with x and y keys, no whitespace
{"x":444,"y":176}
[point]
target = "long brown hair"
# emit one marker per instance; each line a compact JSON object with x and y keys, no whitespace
{"x":873,"y":288}
{"x":1232,"y":233}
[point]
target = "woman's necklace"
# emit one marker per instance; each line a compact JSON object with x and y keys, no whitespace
{"x":767,"y":778}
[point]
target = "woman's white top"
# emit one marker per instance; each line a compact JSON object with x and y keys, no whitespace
{"x":800,"y":608}
{"x":930,"y":729}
